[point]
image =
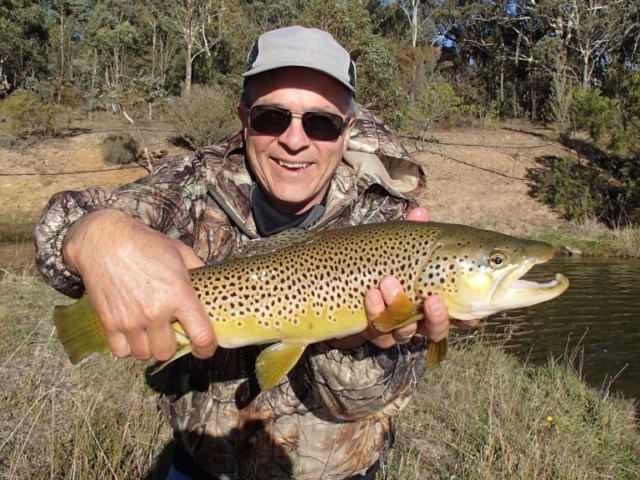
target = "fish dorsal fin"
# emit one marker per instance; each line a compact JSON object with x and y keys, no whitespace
{"x":263,"y":246}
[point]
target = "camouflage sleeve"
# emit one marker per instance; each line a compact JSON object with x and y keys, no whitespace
{"x":166,"y":200}
{"x":358,"y":383}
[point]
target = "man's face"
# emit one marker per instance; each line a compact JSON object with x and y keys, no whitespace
{"x":293,"y":169}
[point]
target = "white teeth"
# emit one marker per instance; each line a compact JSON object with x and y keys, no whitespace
{"x":292,"y":165}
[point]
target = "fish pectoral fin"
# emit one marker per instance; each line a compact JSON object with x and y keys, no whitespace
{"x":397,"y":314}
{"x":276,"y":361}
{"x":436,"y":353}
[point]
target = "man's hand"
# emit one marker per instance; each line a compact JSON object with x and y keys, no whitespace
{"x":436,"y":321}
{"x":138,"y":282}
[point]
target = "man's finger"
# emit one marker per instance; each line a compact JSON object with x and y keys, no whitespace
{"x":373,"y":304}
{"x":419,"y":214}
{"x":118,"y":344}
{"x":162,"y":341}
{"x":198,"y":328}
{"x":436,"y":319}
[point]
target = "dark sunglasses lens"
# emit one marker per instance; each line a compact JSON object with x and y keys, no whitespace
{"x":322,"y":126}
{"x":270,"y":120}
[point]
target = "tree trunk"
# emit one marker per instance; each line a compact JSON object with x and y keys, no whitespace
{"x":188,"y":71}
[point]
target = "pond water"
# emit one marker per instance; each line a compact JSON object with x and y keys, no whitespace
{"x":598,"y":317}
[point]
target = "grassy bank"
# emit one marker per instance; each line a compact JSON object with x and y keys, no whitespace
{"x":482,"y":415}
{"x":592,"y":238}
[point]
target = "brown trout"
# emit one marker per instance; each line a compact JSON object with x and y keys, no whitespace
{"x":302,"y":287}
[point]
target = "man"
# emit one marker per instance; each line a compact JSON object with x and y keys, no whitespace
{"x":130,"y":249}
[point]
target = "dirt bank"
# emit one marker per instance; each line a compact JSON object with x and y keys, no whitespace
{"x":476,"y":176}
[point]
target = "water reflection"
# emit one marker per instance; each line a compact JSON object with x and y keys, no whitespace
{"x":600,"y":312}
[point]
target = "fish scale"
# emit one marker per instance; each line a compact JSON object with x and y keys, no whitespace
{"x":302,"y":287}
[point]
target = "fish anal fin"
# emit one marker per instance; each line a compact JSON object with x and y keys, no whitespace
{"x":436,"y":352}
{"x":396,"y":315}
{"x":276,"y":361}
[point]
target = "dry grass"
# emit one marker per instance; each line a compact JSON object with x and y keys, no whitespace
{"x":482,"y":415}
{"x":96,"y":420}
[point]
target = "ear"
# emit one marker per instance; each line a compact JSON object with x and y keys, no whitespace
{"x":243,"y":115}
{"x":346,"y":135}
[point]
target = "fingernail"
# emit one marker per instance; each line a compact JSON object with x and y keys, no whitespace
{"x":435,"y":307}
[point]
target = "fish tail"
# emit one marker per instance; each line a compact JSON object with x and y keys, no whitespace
{"x":436,"y":353}
{"x":79,"y":330}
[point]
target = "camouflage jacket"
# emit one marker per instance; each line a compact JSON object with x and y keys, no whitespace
{"x":331,"y":417}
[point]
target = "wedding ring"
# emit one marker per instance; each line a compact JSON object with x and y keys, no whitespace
{"x":403,"y":337}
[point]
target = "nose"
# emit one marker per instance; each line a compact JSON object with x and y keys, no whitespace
{"x":295,"y":138}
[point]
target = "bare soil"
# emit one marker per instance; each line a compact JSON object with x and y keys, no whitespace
{"x":476,"y":176}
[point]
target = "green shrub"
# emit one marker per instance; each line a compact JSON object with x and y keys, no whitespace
{"x":119,"y":149}
{"x":574,"y":191}
{"x":593,"y":112}
{"x":206,"y":116}
{"x":625,"y":138}
{"x":27,"y":114}
{"x":436,"y":101}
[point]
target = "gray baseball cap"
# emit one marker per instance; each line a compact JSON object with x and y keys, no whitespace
{"x":302,"y":47}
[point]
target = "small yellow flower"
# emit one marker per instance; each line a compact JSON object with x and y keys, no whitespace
{"x":549,"y":418}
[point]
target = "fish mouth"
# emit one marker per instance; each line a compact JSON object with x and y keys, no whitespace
{"x":514,"y":292}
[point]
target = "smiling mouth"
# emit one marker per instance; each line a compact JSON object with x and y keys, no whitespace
{"x":292,"y":166}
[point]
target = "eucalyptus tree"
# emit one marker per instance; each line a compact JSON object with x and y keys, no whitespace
{"x":22,"y":36}
{"x":199,"y":23}
{"x":590,"y":30}
{"x":66,"y":19}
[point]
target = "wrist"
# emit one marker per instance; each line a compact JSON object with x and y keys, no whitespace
{"x":86,"y":233}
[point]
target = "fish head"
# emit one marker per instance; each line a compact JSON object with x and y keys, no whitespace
{"x":479,"y":273}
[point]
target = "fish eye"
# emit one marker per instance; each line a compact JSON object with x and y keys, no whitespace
{"x":497,"y":260}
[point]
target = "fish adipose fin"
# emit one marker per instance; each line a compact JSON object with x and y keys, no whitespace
{"x":79,"y":330}
{"x":276,"y":361}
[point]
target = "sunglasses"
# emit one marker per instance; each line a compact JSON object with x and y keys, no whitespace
{"x":272,"y":120}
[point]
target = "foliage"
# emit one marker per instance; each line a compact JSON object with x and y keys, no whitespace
{"x":593,"y":112}
{"x":608,"y":190}
{"x":205,"y":116}
{"x":561,"y":99}
{"x":119,"y":149}
{"x":567,"y":189}
{"x":27,"y":114}
{"x":625,"y":137}
{"x":435,"y":101}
